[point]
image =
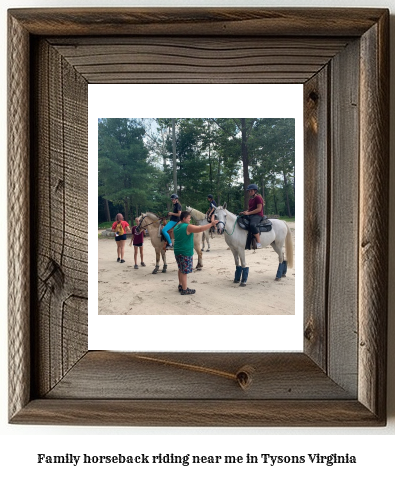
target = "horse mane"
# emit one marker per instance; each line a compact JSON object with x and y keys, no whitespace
{"x":151,"y":215}
{"x":199,"y":215}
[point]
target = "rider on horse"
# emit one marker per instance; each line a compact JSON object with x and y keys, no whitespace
{"x":174,"y":219}
{"x":255,"y":211}
{"x":212,"y":207}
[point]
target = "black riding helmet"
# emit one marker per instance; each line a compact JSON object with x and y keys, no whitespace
{"x":252,"y":186}
{"x":210,"y":196}
{"x":174,"y":196}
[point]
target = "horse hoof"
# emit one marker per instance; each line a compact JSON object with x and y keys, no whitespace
{"x":277,"y":279}
{"x":243,"y":284}
{"x":208,"y":250}
{"x":284,"y":275}
{"x":164,"y":270}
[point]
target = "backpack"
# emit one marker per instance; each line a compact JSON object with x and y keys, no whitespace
{"x":119,"y":229}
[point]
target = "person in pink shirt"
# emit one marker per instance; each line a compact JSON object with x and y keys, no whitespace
{"x":137,"y":240}
{"x":255,"y":211}
{"x":121,"y":227}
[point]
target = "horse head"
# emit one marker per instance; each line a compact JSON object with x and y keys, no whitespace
{"x":220,"y":215}
{"x":146,"y":219}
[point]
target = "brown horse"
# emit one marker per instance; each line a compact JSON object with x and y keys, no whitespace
{"x":151,"y":222}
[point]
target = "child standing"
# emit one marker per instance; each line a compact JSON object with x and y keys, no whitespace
{"x":137,"y":240}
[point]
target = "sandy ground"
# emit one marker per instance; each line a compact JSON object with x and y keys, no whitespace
{"x":139,"y":292}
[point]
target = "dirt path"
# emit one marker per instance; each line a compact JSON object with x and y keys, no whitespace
{"x":139,"y":292}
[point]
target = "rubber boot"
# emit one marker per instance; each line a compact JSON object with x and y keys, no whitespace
{"x":244,"y":277}
{"x":238,"y":274}
{"x":280,"y":271}
{"x":285,"y":268}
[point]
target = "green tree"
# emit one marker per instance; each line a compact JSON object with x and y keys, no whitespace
{"x":124,"y":172}
{"x":273,"y":157}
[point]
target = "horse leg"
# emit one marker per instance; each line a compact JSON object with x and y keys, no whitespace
{"x":163,"y":252}
{"x":155,"y":271}
{"x":245,"y":270}
{"x":200,"y":259}
{"x":208,"y":241}
{"x":239,"y":269}
{"x":282,"y":266}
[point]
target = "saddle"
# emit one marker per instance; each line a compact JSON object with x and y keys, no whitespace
{"x":264,"y":225}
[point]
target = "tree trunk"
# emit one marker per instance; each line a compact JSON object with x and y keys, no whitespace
{"x":107,"y":210}
{"x":263,"y":197}
{"x":173,"y":127}
{"x":244,"y":158}
{"x":275,"y":202}
{"x":286,"y":194}
{"x":218,"y":185}
{"x":126,"y":206}
{"x":210,"y":169}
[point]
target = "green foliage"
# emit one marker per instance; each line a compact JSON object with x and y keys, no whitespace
{"x":105,"y":225}
{"x":213,"y":155}
{"x":125,"y":175}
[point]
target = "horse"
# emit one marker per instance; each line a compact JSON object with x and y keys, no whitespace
{"x":236,"y":239}
{"x":201,"y":220}
{"x":151,"y":222}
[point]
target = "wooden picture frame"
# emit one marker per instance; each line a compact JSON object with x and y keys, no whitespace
{"x":342,"y":58}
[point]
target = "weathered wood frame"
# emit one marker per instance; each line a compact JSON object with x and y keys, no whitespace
{"x":342,"y":57}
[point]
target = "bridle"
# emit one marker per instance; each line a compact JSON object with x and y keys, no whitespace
{"x":220,"y":222}
{"x":146,"y":225}
{"x":224,"y":223}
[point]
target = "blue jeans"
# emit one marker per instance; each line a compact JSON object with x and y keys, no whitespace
{"x":168,"y":226}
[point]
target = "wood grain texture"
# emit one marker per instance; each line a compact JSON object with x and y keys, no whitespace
{"x":344,"y":217}
{"x":317,"y":387}
{"x":61,"y":198}
{"x":196,"y":376}
{"x":316,"y":214}
{"x":191,"y":59}
{"x":198,"y":21}
{"x":18,"y":207}
{"x":374,"y":224}
{"x":202,"y":413}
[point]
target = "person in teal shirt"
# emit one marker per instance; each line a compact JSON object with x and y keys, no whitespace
{"x":183,"y":248}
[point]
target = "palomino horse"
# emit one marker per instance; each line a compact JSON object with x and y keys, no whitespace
{"x":201,"y":220}
{"x":152,"y":222}
{"x":236,"y":239}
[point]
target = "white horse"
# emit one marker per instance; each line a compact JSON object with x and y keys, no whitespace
{"x":236,"y":238}
{"x":151,"y":222}
{"x":201,"y":220}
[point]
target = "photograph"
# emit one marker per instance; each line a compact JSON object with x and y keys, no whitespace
{"x":196,"y":207}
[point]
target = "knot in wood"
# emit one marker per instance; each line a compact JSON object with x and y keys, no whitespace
{"x":244,"y":376}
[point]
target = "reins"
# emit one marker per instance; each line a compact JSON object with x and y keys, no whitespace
{"x":234,"y":226}
{"x":146,"y":225}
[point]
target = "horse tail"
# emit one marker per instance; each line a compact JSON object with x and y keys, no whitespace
{"x":289,"y":248}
